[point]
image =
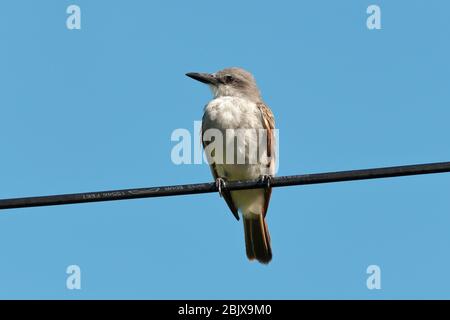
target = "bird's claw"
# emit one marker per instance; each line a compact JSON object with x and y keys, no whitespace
{"x":220,"y":184}
{"x":267,"y":180}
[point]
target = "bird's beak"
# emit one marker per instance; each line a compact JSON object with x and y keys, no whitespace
{"x":203,"y":77}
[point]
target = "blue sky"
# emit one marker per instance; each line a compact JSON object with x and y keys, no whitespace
{"x":94,"y":109}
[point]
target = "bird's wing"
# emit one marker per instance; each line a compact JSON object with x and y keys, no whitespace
{"x":226,"y":194}
{"x":269,"y":126}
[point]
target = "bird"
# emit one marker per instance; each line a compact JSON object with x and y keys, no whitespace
{"x":237,"y":105}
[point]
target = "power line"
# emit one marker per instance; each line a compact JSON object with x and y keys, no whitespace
{"x":283,"y":181}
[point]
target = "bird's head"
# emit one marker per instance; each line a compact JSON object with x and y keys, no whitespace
{"x":235,"y":82}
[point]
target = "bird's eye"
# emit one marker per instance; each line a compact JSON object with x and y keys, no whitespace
{"x":228,"y":78}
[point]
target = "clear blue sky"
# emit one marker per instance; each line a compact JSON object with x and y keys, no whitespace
{"x":93,"y":109}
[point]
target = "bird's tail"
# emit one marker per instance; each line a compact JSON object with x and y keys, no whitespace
{"x":257,"y":239}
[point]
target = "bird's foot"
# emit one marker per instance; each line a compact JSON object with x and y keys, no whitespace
{"x":267,"y":180}
{"x":220,"y":184}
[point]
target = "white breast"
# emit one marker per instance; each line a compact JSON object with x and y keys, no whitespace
{"x":236,"y":113}
{"x":232,"y":113}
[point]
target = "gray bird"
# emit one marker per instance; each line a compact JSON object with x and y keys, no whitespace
{"x":237,"y":105}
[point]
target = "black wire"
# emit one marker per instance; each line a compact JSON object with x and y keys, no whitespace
{"x":177,"y":190}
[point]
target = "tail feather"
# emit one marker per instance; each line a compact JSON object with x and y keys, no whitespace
{"x":257,"y":239}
